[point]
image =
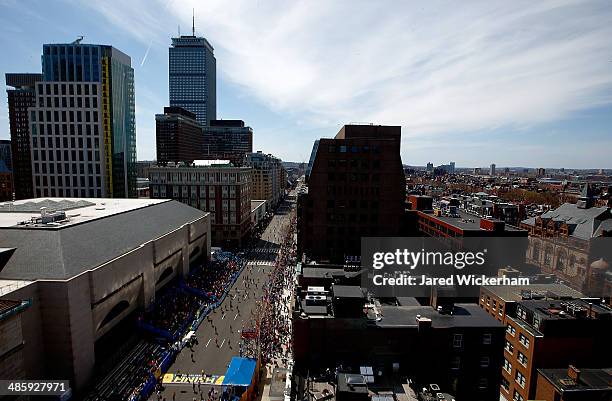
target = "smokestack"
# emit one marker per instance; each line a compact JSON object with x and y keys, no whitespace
{"x":573,"y":373}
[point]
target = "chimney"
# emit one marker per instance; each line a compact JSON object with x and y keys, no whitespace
{"x":423,"y":323}
{"x":573,"y":373}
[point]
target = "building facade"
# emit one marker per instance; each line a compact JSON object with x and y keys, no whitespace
{"x":83,"y":124}
{"x":11,"y":339}
{"x":193,"y":77}
{"x":21,"y":96}
{"x":356,"y":188}
{"x":333,"y":326}
{"x":5,"y":153}
{"x":564,"y":242}
{"x":6,"y":183}
{"x":178,"y":136}
{"x":227,"y":140}
{"x":573,"y":384}
{"x":268,"y":176}
{"x":216,"y":187}
{"x":85,"y":274}
{"x":547,"y":326}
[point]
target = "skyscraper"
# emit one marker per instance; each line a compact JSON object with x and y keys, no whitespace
{"x":492,"y":170}
{"x":193,"y":76}
{"x":83,"y":124}
{"x":21,"y":97}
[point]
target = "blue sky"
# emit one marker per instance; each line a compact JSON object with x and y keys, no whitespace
{"x":517,"y":83}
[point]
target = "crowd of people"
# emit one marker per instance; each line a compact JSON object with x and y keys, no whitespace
{"x":178,"y":305}
{"x":214,"y":279}
{"x":171,"y":310}
{"x":129,"y":377}
{"x":275,"y":316}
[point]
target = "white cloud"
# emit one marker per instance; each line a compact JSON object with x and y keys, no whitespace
{"x":432,"y":68}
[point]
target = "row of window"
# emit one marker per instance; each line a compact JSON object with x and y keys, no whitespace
{"x":353,"y":149}
{"x":362,"y":178}
{"x":352,"y":163}
{"x":66,"y":129}
{"x":68,"y":102}
{"x":65,"y":142}
{"x":485,"y":361}
{"x":458,"y":339}
{"x":56,"y":168}
{"x":67,"y":181}
{"x":68,"y":89}
{"x":72,"y":155}
{"x":187,"y":178}
{"x":492,"y":304}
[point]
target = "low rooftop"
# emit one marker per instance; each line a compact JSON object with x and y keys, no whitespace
{"x":78,"y":210}
{"x":466,"y":221}
{"x":594,"y":381}
{"x":513,"y":293}
{"x":464,"y":315}
{"x":559,"y":309}
{"x":90,"y":235}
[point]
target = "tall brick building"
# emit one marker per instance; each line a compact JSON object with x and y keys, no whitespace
{"x":21,"y":97}
{"x":547,"y":326}
{"x":356,"y":188}
{"x":227,"y":140}
{"x":179,"y":136}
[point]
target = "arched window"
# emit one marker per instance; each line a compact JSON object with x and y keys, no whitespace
{"x":165,"y":274}
{"x":536,"y":251}
{"x":114,"y":312}
{"x":548,"y":256}
{"x":195,"y":251}
{"x":561,"y":259}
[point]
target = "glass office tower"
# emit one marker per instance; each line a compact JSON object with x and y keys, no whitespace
{"x":83,"y":125}
{"x":192,"y":77}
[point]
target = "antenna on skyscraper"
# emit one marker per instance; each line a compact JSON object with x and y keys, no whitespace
{"x":193,"y":21}
{"x":179,"y":29}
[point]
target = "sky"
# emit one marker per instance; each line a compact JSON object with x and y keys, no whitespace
{"x":516,"y":83}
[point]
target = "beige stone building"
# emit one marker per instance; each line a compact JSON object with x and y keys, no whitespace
{"x":84,"y":266}
{"x":269,"y":178}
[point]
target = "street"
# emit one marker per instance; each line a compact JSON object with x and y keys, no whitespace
{"x":219,"y":334}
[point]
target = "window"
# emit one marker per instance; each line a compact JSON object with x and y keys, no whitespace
{"x":509,"y":347}
{"x":511,"y":330}
{"x":456,"y":362}
{"x":524,"y":340}
{"x":484,"y":361}
{"x":522,"y":358}
{"x":457,"y":340}
{"x":517,"y":397}
{"x":486,"y":338}
{"x":507,"y":366}
{"x":520,"y":379}
{"x":483,"y":383}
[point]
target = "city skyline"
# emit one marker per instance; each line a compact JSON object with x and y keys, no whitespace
{"x":294,"y":84}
